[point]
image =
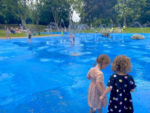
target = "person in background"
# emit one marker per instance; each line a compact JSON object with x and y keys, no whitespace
{"x":72,"y":38}
{"x":12,"y":30}
{"x":29,"y":35}
{"x":7,"y":33}
{"x":62,"y":32}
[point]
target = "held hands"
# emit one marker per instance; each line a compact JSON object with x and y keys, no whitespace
{"x":101,"y":98}
{"x":88,"y":77}
{"x":132,"y":90}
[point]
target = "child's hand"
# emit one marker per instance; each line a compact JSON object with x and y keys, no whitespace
{"x":101,"y":98}
{"x":88,"y":77}
{"x":132,"y":90}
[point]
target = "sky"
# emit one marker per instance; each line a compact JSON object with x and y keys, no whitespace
{"x":75,"y":17}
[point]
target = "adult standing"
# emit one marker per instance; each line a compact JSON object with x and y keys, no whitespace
{"x":8,"y":33}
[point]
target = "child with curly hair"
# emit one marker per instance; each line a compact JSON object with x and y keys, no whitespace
{"x":97,"y":86}
{"x":121,"y":85}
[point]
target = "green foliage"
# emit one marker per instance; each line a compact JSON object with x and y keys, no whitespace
{"x":77,"y":5}
{"x":8,"y":12}
{"x":129,"y":10}
{"x":145,"y":15}
{"x":3,"y":34}
{"x":92,"y":12}
{"x":26,"y":11}
{"x":137,"y":30}
{"x":35,"y":27}
{"x":57,"y":11}
{"x":127,"y":30}
{"x":124,"y":12}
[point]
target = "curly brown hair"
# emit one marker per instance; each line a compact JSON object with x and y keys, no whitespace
{"x":103,"y":59}
{"x":121,"y":64}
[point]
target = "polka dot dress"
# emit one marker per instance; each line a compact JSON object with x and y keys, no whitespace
{"x":120,"y":97}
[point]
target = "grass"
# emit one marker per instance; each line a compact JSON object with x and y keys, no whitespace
{"x":3,"y":34}
{"x":31,"y":26}
{"x":98,"y":30}
{"x":92,"y":30}
{"x":118,"y":30}
{"x":137,"y":30}
{"x":36,"y":27}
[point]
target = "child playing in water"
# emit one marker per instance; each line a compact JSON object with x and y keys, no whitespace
{"x":120,"y":85}
{"x":72,"y":38}
{"x":29,"y":35}
{"x":97,"y":86}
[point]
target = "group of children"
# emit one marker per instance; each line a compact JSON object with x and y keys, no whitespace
{"x":11,"y":31}
{"x":8,"y":32}
{"x":120,"y":84}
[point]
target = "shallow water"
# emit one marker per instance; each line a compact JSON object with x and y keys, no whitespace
{"x":49,"y":76}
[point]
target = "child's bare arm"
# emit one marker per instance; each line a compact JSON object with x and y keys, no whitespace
{"x":88,"y":75}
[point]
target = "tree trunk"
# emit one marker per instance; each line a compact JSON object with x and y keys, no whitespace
{"x":55,"y":16}
{"x":124,"y":20}
{"x":23,"y":22}
{"x":37,"y":21}
{"x":37,"y":18}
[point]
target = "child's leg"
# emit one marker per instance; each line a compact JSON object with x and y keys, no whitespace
{"x":7,"y":36}
{"x":92,"y":110}
{"x":100,"y":110}
{"x":71,"y":43}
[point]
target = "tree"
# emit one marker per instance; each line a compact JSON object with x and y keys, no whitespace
{"x":145,"y":14}
{"x":129,"y":8}
{"x":76,"y":5}
{"x":92,"y":12}
{"x":22,"y":11}
{"x":8,"y":12}
{"x":55,"y":11}
{"x":35,"y":9}
{"x":98,"y":10}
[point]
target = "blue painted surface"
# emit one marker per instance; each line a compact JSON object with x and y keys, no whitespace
{"x":49,"y":76}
